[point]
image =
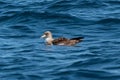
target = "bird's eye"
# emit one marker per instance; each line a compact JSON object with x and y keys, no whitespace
{"x":46,"y":33}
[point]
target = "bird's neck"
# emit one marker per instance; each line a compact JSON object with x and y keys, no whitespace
{"x":49,"y":40}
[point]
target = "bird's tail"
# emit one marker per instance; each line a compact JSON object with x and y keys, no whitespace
{"x":78,"y":39}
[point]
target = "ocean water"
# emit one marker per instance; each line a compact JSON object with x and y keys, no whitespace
{"x":24,"y":56}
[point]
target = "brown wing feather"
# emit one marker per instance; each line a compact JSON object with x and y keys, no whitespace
{"x":65,"y":41}
{"x":59,"y":40}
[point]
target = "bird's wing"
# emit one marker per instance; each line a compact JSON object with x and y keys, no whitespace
{"x":60,"y":41}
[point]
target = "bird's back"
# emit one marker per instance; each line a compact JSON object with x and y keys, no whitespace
{"x":68,"y":42}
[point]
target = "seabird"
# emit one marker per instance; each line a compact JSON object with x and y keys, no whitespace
{"x":61,"y":40}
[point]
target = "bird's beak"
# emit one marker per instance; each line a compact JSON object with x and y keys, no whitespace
{"x":43,"y":36}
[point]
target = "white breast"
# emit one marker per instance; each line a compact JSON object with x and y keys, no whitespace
{"x":48,"y":39}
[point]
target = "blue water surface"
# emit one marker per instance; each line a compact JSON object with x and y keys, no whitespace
{"x":24,"y":56}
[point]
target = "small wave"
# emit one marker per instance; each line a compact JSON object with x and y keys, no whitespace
{"x":67,"y":5}
{"x":50,"y":17}
{"x":109,"y":21}
{"x":91,"y":4}
{"x":15,"y":16}
{"x":18,"y":36}
{"x":61,"y":6}
{"x":90,"y":62}
{"x":113,"y":2}
{"x":96,"y":74}
{"x":5,"y":18}
{"x":58,"y":18}
{"x":22,"y":28}
{"x":2,"y":3}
